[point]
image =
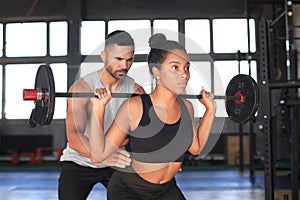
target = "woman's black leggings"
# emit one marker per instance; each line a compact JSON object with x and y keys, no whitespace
{"x":126,"y":186}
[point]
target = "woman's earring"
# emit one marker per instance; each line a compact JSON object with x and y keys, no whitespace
{"x":157,"y":77}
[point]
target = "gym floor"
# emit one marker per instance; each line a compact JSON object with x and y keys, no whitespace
{"x":36,"y":184}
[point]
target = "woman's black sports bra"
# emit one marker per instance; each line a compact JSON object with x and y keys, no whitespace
{"x":153,"y":141}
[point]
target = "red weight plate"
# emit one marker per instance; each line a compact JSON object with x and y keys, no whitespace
{"x":245,"y":86}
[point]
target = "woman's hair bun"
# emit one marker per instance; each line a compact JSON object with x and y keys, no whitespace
{"x":157,"y":40}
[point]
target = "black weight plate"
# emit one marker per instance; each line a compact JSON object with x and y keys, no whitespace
{"x":242,"y":112}
{"x":44,"y":108}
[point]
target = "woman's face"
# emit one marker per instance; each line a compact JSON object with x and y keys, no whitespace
{"x":174,"y":72}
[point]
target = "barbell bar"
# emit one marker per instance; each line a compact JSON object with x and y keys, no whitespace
{"x":39,"y":94}
{"x":241,"y":98}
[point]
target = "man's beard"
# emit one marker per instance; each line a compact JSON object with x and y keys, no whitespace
{"x":114,"y":76}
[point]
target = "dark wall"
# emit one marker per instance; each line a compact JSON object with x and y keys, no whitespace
{"x":20,"y":128}
{"x":125,"y":9}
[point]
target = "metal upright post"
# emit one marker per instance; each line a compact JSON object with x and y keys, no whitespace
{"x":74,"y":50}
{"x":291,"y":64}
{"x":265,"y":109}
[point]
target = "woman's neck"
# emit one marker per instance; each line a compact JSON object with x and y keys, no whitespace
{"x":164,"y":96}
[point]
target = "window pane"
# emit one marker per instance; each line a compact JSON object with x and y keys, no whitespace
{"x":1,"y":39}
{"x":200,"y":76}
{"x":26,"y":39}
{"x":168,"y":27}
{"x":252,"y":35}
{"x":141,"y":74}
{"x":230,"y":35}
{"x":21,"y":76}
{"x":197,"y":36}
{"x":92,"y":36}
{"x":58,"y":38}
{"x":60,"y":73}
{"x":138,"y":29}
{"x":224,"y":72}
{"x":244,"y":69}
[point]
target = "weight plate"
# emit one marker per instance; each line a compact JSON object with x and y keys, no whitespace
{"x":44,"y":109}
{"x":238,"y":111}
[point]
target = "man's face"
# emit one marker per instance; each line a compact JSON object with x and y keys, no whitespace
{"x":118,"y":60}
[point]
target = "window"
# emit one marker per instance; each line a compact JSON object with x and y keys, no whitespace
{"x":26,"y":39}
{"x":138,"y":29}
{"x":30,"y":40}
{"x":60,"y":72}
{"x":197,"y":34}
{"x":169,"y":27}
{"x":24,"y":74}
{"x":200,"y":77}
{"x":92,"y":37}
{"x":230,"y":35}
{"x":58,"y":38}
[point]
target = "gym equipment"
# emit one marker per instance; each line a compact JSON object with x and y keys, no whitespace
{"x":241,"y":99}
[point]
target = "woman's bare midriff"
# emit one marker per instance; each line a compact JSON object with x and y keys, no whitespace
{"x":157,"y":173}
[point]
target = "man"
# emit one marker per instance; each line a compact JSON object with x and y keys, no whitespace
{"x":78,"y":174}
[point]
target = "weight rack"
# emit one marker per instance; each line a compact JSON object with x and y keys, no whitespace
{"x":292,"y":102}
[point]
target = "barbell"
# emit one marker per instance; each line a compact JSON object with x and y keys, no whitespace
{"x":241,"y":98}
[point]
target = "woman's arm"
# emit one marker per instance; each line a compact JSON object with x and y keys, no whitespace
{"x":201,"y":133}
{"x":102,"y":146}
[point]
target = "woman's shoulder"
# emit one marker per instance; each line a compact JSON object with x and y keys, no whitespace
{"x":132,"y":102}
{"x":131,"y":111}
{"x":188,"y":104}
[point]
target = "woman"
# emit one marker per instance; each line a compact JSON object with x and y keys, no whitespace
{"x":160,"y":128}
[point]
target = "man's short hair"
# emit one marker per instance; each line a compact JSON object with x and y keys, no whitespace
{"x":119,"y":37}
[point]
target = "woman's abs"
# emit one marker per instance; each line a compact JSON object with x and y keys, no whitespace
{"x":157,"y":173}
